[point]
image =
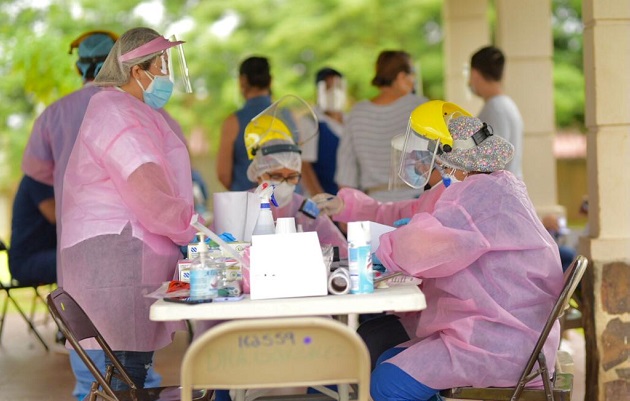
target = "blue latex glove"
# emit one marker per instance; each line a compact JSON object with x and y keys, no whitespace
{"x":227,"y":237}
{"x":377,"y":264}
{"x":401,"y":222}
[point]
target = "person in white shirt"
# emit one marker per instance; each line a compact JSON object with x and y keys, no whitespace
{"x":319,"y":155}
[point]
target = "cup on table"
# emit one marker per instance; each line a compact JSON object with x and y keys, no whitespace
{"x":285,"y":225}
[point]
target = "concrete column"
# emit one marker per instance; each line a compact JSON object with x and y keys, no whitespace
{"x":466,"y":28}
{"x":524,"y":34}
{"x":607,"y":282}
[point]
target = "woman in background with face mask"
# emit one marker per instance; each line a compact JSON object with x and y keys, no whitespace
{"x":127,"y":201}
{"x":278,"y":161}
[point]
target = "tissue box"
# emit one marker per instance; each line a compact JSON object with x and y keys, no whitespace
{"x":286,"y":266}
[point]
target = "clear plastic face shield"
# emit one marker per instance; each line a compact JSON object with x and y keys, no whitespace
{"x":290,"y":118}
{"x":331,"y":94}
{"x":178,"y":69}
{"x":416,"y":155}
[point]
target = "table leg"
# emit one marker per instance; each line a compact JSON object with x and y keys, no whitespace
{"x":240,"y":394}
{"x":353,"y":320}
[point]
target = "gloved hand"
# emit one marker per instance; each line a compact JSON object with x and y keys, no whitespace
{"x":377,"y":264}
{"x":328,"y":204}
{"x":401,"y":222}
{"x":227,"y":237}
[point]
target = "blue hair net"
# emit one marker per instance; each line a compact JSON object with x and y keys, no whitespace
{"x":92,"y":53}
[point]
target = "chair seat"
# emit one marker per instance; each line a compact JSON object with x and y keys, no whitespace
{"x":562,"y":386}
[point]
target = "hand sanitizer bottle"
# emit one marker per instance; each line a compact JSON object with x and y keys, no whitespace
{"x":360,"y":258}
{"x":201,"y":274}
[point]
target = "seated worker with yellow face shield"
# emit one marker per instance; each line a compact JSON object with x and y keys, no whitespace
{"x":277,"y":160}
{"x":490,"y":270}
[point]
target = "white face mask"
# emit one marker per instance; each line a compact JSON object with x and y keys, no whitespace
{"x":331,"y":99}
{"x":283,"y":192}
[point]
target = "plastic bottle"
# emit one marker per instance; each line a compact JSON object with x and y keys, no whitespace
{"x":264,"y":223}
{"x":360,"y":258}
{"x":202,"y":273}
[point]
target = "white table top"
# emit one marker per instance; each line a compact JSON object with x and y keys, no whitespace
{"x":403,"y":298}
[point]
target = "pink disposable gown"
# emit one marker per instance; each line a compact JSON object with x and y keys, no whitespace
{"x":327,"y":231}
{"x":52,"y":138}
{"x":491,"y":274}
{"x":127,"y":203}
{"x":360,"y":207}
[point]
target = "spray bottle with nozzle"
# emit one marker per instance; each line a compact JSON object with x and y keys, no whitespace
{"x":264,"y":223}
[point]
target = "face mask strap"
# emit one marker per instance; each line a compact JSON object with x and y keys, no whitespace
{"x":140,"y":84}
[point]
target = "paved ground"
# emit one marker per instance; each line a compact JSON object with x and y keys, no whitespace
{"x":29,"y":373}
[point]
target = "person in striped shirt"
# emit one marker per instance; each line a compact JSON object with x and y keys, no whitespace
{"x":363,"y":157}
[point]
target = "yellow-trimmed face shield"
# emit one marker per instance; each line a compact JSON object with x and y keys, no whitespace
{"x":289,"y":118}
{"x":427,"y":136}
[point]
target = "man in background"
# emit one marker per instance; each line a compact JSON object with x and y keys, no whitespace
{"x":319,"y":154}
{"x":499,"y":110}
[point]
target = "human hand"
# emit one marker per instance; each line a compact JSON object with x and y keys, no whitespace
{"x":328,"y":204}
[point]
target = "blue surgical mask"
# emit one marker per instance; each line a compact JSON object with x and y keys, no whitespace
{"x":449,"y":179}
{"x":158,"y":92}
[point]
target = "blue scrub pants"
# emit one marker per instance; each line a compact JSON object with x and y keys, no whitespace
{"x":390,"y":383}
{"x":84,"y":377}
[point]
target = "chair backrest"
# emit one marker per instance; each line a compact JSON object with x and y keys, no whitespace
{"x":265,"y":353}
{"x":77,"y":326}
{"x":572,"y":277}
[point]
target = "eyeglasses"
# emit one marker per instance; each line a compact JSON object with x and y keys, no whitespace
{"x":291,"y":179}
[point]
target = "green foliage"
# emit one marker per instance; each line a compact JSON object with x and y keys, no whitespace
{"x":299,"y":37}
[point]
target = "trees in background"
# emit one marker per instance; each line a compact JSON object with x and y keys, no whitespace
{"x":298,"y":37}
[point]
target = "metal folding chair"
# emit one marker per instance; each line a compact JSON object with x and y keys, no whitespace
{"x":77,"y":326}
{"x":557,"y":389}
{"x":37,"y":297}
{"x":273,"y":353}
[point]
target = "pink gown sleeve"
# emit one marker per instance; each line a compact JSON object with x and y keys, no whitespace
{"x":359,"y":206}
{"x":327,"y":232}
{"x":38,"y":161}
{"x":148,"y":185}
{"x":425,"y":248}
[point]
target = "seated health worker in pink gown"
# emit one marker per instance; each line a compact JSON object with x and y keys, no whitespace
{"x":491,"y":272}
{"x":127,"y":201}
{"x":279,"y":162}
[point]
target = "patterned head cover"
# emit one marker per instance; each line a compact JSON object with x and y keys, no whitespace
{"x":475,"y":148}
